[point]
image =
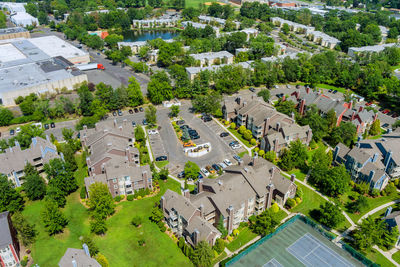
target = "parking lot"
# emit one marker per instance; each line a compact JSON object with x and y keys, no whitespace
{"x":156,"y":145}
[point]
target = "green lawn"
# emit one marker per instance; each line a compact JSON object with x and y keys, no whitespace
{"x":119,"y":244}
{"x":239,"y":136}
{"x":396,"y":257}
{"x":245,"y":235}
{"x":327,"y":87}
{"x":378,"y":258}
{"x":219,"y":258}
{"x":373,"y":203}
{"x":299,"y":175}
{"x":195,"y":3}
{"x":162,"y":164}
{"x":311,"y":200}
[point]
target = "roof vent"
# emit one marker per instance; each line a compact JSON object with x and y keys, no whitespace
{"x":219,"y":182}
{"x":246,"y":170}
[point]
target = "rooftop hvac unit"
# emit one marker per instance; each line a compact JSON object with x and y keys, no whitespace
{"x":15,"y":82}
{"x":62,"y":45}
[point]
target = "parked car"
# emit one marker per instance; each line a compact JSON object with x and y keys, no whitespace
{"x":206,"y":118}
{"x":52,"y":125}
{"x":239,"y":159}
{"x":330,"y":90}
{"x":130,"y":111}
{"x":141,"y":109}
{"x":114,"y":113}
{"x":205,"y":172}
{"x":136,"y":110}
{"x":151,"y":132}
{"x":222,"y":165}
{"x":210,"y":169}
{"x":161,"y":158}
{"x":193,"y":132}
{"x":188,"y":144}
{"x":195,"y":137}
{"x":144,"y":122}
{"x":252,"y":89}
{"x":227,"y":162}
{"x":386,"y":111}
{"x":18,"y":129}
{"x":279,"y":95}
{"x":46,"y":126}
{"x":236,"y":146}
{"x":119,"y":112}
{"x":180,"y":122}
{"x":133,"y":124}
{"x":181,"y":174}
{"x":334,"y":92}
{"x":200,"y":176}
{"x":288,"y":86}
{"x":224,"y":134}
{"x":276,"y":86}
{"x":12,"y":132}
{"x":216,"y":167}
{"x":233,"y":143}
{"x":184,"y":127}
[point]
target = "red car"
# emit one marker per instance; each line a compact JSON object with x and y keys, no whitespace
{"x":386,"y":111}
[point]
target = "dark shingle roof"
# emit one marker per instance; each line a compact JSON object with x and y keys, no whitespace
{"x":5,"y":234}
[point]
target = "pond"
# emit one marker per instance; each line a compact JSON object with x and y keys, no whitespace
{"x":133,"y":36}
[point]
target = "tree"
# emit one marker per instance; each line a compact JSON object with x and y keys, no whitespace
{"x":151,"y":115}
{"x":5,"y":116}
{"x":286,"y":107}
{"x":219,"y":245}
{"x":102,"y":260}
{"x":93,"y":249}
{"x":265,"y":94}
{"x":140,"y":135}
{"x":159,"y":88}
{"x":34,"y":186}
{"x":53,"y":193}
{"x":100,"y":200}
{"x":86,"y":98}
{"x":375,"y":128}
{"x":174,"y":111}
{"x":98,"y":225}
{"x":134,"y":93}
{"x":221,"y":227}
{"x":264,"y":223}
{"x":331,"y":119}
{"x":10,"y":199}
{"x":69,"y":157}
{"x":53,"y":219}
{"x":359,"y":205}
{"x":203,"y":255}
{"x":285,"y":28}
{"x":26,"y":231}
{"x":61,"y":176}
{"x":191,"y":170}
{"x":208,"y":103}
{"x":330,"y":215}
{"x":113,"y":39}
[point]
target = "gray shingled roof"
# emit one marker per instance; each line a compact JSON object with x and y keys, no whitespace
{"x":179,"y":203}
{"x":79,"y":255}
{"x":5,"y":234}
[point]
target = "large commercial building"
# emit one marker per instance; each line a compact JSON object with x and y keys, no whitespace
{"x":38,"y":65}
{"x":16,"y":32}
{"x":18,"y":14}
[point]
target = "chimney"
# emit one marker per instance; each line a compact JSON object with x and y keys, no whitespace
{"x":163,"y":203}
{"x":86,"y":249}
{"x":103,"y":168}
{"x":283,"y":98}
{"x":254,"y":159}
{"x":309,"y":135}
{"x":199,"y":186}
{"x":115,"y":123}
{"x":307,"y":89}
{"x":371,"y":175}
{"x":361,"y":109}
{"x":353,"y":115}
{"x":276,"y":145}
{"x":196,"y":236}
{"x":201,"y":208}
{"x":376,"y":116}
{"x":239,"y":100}
{"x":388,"y":211}
{"x":278,"y":126}
{"x":292,"y":115}
{"x":125,"y":121}
{"x":302,"y":105}
{"x":96,"y":126}
{"x":266,"y":125}
{"x":240,"y":163}
{"x":145,"y":179}
{"x":128,"y":155}
{"x":186,"y":193}
{"x":120,"y":128}
{"x":74,"y":264}
{"x":292,"y":177}
{"x":350,"y":104}
{"x":270,"y":189}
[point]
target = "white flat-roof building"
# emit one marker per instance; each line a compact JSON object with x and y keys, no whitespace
{"x":23,"y":19}
{"x":296,"y":27}
{"x":353,"y":51}
{"x":208,"y":19}
{"x":250,"y":33}
{"x":13,"y":7}
{"x":193,"y":71}
{"x":211,"y":58}
{"x":135,"y":46}
{"x":199,"y":26}
{"x":322,"y":39}
{"x":28,"y":66}
{"x":275,"y":58}
{"x":156,"y":23}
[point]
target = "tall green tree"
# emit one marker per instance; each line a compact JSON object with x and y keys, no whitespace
{"x":264,"y":223}
{"x":61,"y":176}
{"x":191,"y":170}
{"x":134,"y":93}
{"x":85,"y":100}
{"x":34,"y":186}
{"x":151,"y":115}
{"x":203,"y":255}
{"x":26,"y":232}
{"x":330,"y":215}
{"x":10,"y":199}
{"x":100,"y":201}
{"x":53,"y":218}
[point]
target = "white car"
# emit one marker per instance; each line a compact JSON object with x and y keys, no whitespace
{"x":222,"y":165}
{"x":18,"y":129}
{"x":236,"y":146}
{"x":205,"y":172}
{"x":153,"y":132}
{"x":227,"y":162}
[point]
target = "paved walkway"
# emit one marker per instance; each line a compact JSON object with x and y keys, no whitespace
{"x":378,"y":209}
{"x":387,"y":255}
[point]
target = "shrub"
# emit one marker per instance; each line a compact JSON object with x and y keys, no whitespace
{"x":299,"y":193}
{"x":298,"y":200}
{"x":226,"y":123}
{"x":253,"y":142}
{"x":136,"y":221}
{"x":396,"y":182}
{"x":162,"y":227}
{"x":219,"y":245}
{"x":233,"y":126}
{"x":141,"y":242}
{"x":375,"y":193}
{"x":242,"y":129}
{"x":117,"y":199}
{"x":130,"y":197}
{"x":83,"y":192}
{"x":229,"y":238}
{"x":247,"y":135}
{"x":290,"y":203}
{"x":256,"y":149}
{"x":261,"y":153}
{"x":139,"y":197}
{"x":235,"y":232}
{"x":275,"y":208}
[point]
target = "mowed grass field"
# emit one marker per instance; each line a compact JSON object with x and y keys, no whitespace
{"x":195,"y":3}
{"x":119,"y":244}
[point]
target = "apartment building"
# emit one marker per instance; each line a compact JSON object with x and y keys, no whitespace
{"x":365,"y":50}
{"x":9,"y":246}
{"x":322,"y":39}
{"x":242,"y":191}
{"x":113,"y":159}
{"x":295,"y":27}
{"x":199,"y":26}
{"x":192,"y":72}
{"x":372,"y":161}
{"x":14,"y":159}
{"x":156,"y":23}
{"x":211,"y":58}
